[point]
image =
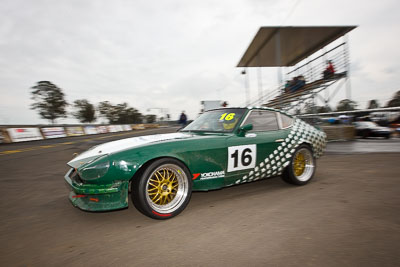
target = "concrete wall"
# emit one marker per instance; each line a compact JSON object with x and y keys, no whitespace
{"x":339,"y":132}
{"x":60,"y":131}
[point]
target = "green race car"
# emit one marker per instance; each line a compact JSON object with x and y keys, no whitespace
{"x":222,"y":147}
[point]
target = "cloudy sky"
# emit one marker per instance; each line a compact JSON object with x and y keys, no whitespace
{"x":173,"y":54}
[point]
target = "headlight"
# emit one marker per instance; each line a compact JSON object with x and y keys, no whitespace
{"x":95,"y":169}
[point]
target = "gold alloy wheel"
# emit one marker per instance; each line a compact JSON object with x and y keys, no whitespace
{"x":162,"y":186}
{"x":303,"y":164}
{"x":299,"y":164}
{"x":167,"y":188}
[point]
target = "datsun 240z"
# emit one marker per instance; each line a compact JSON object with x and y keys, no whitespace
{"x":222,"y":147}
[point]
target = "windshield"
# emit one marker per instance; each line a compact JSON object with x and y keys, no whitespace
{"x":220,"y":120}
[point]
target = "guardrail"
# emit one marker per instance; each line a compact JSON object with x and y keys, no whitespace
{"x":311,"y":115}
{"x":23,"y":133}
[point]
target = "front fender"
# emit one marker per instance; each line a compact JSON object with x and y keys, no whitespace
{"x":126,"y":165}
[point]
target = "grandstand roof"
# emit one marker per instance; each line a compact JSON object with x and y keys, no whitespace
{"x":296,"y":43}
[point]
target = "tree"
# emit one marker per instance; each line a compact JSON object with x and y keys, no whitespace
{"x":127,"y":114}
{"x":395,"y":101}
{"x":309,"y":108}
{"x":49,"y":101}
{"x":323,"y":109}
{"x":150,"y":118}
{"x":85,"y":112}
{"x":107,"y":110}
{"x":120,"y":113}
{"x":346,"y":105}
{"x":373,"y":104}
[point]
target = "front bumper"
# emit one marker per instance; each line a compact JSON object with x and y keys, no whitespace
{"x":93,"y":197}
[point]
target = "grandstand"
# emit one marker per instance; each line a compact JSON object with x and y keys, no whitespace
{"x":304,"y":51}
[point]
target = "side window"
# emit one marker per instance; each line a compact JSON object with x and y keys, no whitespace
{"x":262,"y":120}
{"x":286,"y":121}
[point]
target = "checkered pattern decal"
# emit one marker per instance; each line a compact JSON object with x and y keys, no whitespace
{"x":276,"y":162}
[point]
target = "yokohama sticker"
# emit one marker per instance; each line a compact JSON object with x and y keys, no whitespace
{"x":212,"y":175}
{"x":209,"y":175}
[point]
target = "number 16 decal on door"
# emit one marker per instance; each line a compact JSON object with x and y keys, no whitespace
{"x":241,"y":157}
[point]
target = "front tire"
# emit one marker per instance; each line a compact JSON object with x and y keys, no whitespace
{"x":163,"y":189}
{"x":301,"y":168}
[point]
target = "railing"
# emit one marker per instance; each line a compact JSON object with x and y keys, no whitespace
{"x":323,"y":56}
{"x":312,"y":70}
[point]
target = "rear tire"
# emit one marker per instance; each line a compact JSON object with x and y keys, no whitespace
{"x":163,"y":189}
{"x":301,"y":168}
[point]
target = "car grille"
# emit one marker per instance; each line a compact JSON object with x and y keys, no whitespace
{"x":75,"y":177}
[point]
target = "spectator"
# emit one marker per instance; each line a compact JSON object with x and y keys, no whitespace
{"x":183,"y":119}
{"x":293,"y":86}
{"x":301,"y":81}
{"x":288,"y":84}
{"x":297,"y":83}
{"x":329,"y":71}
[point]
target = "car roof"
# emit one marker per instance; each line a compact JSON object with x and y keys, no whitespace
{"x":253,"y":108}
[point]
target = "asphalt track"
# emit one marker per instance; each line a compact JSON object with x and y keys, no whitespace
{"x":348,"y":215}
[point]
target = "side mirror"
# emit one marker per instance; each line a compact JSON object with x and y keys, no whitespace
{"x":244,"y":129}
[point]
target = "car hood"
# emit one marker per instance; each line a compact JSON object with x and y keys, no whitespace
{"x":123,"y":144}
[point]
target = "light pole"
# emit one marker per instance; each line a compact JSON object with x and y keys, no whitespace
{"x":246,"y":86}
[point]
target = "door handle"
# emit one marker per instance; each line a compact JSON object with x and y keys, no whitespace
{"x":279,"y":140}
